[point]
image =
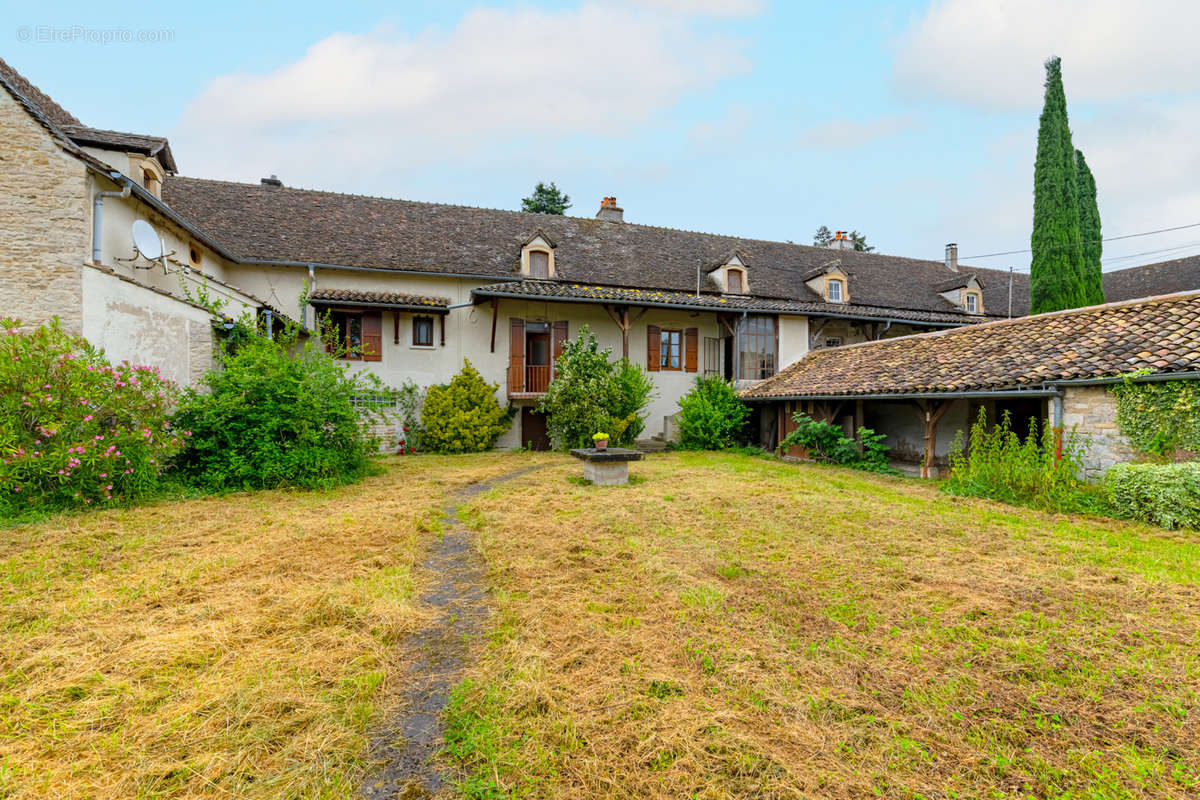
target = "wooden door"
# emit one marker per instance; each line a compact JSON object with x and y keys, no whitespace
{"x":533,"y":430}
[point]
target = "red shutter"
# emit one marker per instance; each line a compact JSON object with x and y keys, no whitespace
{"x":372,"y":336}
{"x":560,"y":338}
{"x":653,"y":342}
{"x":691,"y":339}
{"x":516,"y":355}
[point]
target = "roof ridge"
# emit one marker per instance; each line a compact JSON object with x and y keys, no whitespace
{"x":736,"y":238}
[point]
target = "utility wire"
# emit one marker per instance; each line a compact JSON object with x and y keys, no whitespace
{"x":1094,"y":241}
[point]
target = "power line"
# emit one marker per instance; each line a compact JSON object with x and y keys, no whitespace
{"x":1109,"y":239}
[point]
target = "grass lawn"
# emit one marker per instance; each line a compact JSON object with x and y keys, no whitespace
{"x":727,"y":626}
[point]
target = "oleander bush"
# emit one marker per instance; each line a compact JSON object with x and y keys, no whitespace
{"x":1163,"y":494}
{"x":77,"y":431}
{"x":711,"y":416}
{"x":274,"y":413}
{"x":463,"y":416}
{"x":591,"y":392}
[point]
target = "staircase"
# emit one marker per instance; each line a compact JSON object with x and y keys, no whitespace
{"x":655,"y":444}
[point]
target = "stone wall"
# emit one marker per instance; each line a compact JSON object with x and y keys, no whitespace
{"x":44,"y":222}
{"x":1092,"y":411}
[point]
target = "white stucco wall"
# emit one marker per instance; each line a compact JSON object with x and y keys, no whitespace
{"x":133,"y":323}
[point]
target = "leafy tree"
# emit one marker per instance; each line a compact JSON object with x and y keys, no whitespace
{"x":276,"y":413}
{"x":1089,"y":231}
{"x":711,"y":415}
{"x":590,"y":393}
{"x":1056,"y":278}
{"x":463,"y":416}
{"x":546,"y":199}
{"x":824,"y":237}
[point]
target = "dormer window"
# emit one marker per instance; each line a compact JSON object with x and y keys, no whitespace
{"x":972,"y":303}
{"x":736,"y":282}
{"x":539,"y":264}
{"x":834,"y":291}
{"x":537,"y":257}
{"x":152,"y":177}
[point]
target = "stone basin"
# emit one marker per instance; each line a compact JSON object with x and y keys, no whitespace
{"x":608,"y":467}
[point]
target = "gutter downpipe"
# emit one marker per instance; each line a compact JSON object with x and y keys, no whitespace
{"x":1056,"y":419}
{"x":312,"y":284}
{"x":98,"y":212}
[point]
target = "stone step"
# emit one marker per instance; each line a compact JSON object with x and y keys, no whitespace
{"x":653,"y":445}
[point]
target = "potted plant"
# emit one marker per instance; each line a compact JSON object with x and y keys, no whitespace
{"x":600,"y":441}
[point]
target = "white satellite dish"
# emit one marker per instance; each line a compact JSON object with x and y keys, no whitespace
{"x":146,"y":240}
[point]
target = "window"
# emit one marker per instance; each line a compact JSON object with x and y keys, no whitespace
{"x":194,"y":255}
{"x":714,"y":352}
{"x":539,"y":264}
{"x":834,"y":290}
{"x":670,"y":352}
{"x":346,"y":330}
{"x":735,"y":281}
{"x":756,"y":348}
{"x":972,"y":303}
{"x":422,"y":332}
{"x":833,"y":341}
{"x":151,"y":182}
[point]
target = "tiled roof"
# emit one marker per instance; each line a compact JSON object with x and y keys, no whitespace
{"x":282,"y":224}
{"x":618,"y":295}
{"x":1161,"y":335}
{"x":38,"y":99}
{"x":389,"y":299}
{"x":156,"y":146}
{"x":1179,"y":275}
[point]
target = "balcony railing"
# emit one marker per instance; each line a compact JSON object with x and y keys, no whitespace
{"x":536,"y":380}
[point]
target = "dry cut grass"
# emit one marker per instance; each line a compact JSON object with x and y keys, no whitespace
{"x":226,"y":647}
{"x":737,"y":627}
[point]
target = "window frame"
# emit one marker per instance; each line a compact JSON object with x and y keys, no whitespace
{"x":417,"y":320}
{"x":757,"y":347}
{"x":730,"y":274}
{"x":668,"y":339}
{"x":341,"y":321}
{"x":968,"y":298}
{"x":833,"y":341}
{"x":841,"y":290}
{"x":539,"y":252}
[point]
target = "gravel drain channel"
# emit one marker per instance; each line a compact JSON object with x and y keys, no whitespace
{"x":405,"y":746}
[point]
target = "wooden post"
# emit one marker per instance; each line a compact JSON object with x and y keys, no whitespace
{"x":859,"y":422}
{"x":931,"y":412}
{"x":495,"y":311}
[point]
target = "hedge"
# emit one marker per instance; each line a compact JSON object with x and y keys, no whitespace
{"x":1164,"y":494}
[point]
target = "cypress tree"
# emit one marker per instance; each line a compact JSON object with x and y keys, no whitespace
{"x":1089,"y":231}
{"x":1056,"y":278}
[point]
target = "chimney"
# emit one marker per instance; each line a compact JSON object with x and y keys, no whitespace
{"x":841,"y":241}
{"x":609,"y":211}
{"x":272,"y":181}
{"x":952,"y":256}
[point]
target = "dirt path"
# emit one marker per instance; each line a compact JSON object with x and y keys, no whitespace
{"x":406,"y":744}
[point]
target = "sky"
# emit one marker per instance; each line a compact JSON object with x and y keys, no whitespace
{"x":912,"y":122}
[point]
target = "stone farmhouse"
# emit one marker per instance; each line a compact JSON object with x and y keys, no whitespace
{"x":415,"y":288}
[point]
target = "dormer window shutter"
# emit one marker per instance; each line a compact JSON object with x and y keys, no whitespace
{"x":539,"y":264}
{"x":653,"y":343}
{"x":735,"y":281}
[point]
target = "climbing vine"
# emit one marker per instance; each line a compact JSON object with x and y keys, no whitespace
{"x":1160,"y":419}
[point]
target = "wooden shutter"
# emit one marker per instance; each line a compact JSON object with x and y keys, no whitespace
{"x":560,"y":338}
{"x":372,"y":336}
{"x":516,"y":354}
{"x":691,"y":338}
{"x":653,"y":342}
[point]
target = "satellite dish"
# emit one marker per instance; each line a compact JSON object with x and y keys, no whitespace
{"x":146,"y":240}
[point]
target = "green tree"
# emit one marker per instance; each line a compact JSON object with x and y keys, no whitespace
{"x":546,"y":199}
{"x":463,"y":416}
{"x":1089,"y":231}
{"x":859,"y":240}
{"x":1056,"y":278}
{"x":823,"y":237}
{"x":591,"y":394}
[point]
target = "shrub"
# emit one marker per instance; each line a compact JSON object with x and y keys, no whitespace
{"x":77,"y":431}
{"x":463,"y":416}
{"x":711,"y":415}
{"x":1164,"y":494}
{"x":825,"y":441}
{"x":590,"y":393}
{"x":277,"y":413}
{"x":1161,"y":419}
{"x":410,"y":400}
{"x":999,"y":465}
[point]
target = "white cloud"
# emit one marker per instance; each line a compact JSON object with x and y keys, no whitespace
{"x":715,"y":8}
{"x":845,"y":134}
{"x":355,"y":105}
{"x":990,"y":54}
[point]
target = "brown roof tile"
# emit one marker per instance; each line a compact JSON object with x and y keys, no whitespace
{"x":389,"y":299}
{"x":1161,"y":334}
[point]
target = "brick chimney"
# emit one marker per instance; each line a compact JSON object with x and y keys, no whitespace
{"x":952,"y":256}
{"x":841,"y":241}
{"x":609,"y":211}
{"x":272,"y":181}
